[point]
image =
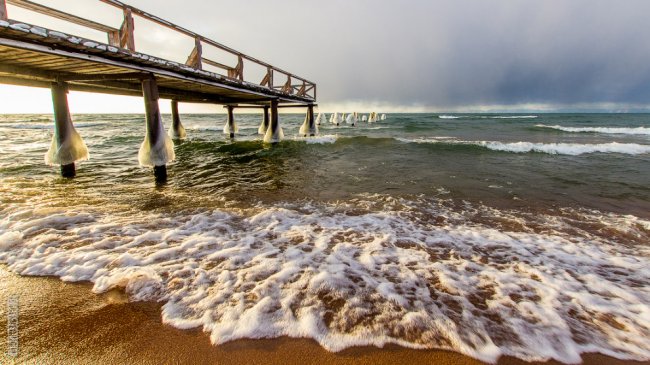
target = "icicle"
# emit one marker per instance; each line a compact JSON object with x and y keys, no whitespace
{"x":159,"y":153}
{"x":177,"y":132}
{"x":350,"y":119}
{"x":226,"y":128}
{"x":274,"y":136}
{"x":72,"y":149}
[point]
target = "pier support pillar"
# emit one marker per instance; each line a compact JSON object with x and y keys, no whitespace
{"x":265,"y":121}
{"x":274,"y":132}
{"x":157,"y":148}
{"x":3,"y":10}
{"x":231,"y":121}
{"x":177,"y":131}
{"x":310,"y":119}
{"x":67,"y":147}
{"x":308,"y":126}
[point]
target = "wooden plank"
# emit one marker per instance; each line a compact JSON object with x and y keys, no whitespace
{"x":91,"y":63}
{"x":194,"y":60}
{"x":216,"y":64}
{"x":42,"y":9}
{"x":127,"y":39}
{"x":191,"y":34}
{"x":103,"y":76}
{"x":3,"y":10}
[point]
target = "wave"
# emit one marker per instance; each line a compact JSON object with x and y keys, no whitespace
{"x":515,"y":117}
{"x":572,"y":149}
{"x":321,"y":139}
{"x":372,"y":270}
{"x":487,"y":116}
{"x":605,"y":130}
{"x":47,"y":126}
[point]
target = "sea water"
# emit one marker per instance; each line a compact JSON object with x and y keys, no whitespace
{"x":488,"y":234}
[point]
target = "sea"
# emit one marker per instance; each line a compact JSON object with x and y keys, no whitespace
{"x":525,"y":235}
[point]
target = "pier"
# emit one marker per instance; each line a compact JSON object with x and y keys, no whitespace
{"x":32,"y":55}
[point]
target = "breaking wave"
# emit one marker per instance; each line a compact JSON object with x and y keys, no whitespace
{"x":605,"y":130}
{"x":487,"y":116}
{"x":572,"y":149}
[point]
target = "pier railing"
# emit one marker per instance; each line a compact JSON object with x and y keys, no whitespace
{"x":123,"y":37}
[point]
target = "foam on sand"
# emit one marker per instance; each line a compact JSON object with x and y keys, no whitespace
{"x":373,"y":270}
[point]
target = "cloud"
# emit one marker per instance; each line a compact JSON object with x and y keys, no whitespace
{"x":427,"y":55}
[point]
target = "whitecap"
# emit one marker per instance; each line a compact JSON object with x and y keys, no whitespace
{"x":604,"y":130}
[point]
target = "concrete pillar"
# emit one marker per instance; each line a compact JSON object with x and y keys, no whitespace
{"x":177,"y":130}
{"x":274,"y":133}
{"x":267,"y":118}
{"x":310,"y":118}
{"x":157,"y":148}
{"x":67,"y":146}
{"x":3,"y":10}
{"x":265,"y":122}
{"x":231,"y":121}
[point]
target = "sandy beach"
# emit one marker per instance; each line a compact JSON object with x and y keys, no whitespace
{"x":65,"y":323}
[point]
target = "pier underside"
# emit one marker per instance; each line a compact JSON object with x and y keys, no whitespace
{"x":38,"y":63}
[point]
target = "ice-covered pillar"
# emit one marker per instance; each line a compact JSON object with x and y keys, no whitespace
{"x":157,"y":149}
{"x":177,"y":130}
{"x":274,"y":132}
{"x":310,"y":118}
{"x":231,"y":121}
{"x":308,"y":126}
{"x":265,"y":121}
{"x":67,"y":147}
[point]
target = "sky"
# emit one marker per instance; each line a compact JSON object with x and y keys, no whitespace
{"x":400,"y":56}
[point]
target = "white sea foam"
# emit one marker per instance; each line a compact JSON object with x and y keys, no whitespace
{"x":604,"y":130}
{"x":513,"y":117}
{"x":369,"y":271}
{"x":487,"y":116}
{"x":568,"y":148}
{"x":573,"y":149}
{"x":324,"y":139}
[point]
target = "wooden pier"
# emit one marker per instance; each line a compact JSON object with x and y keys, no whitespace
{"x":31,"y":55}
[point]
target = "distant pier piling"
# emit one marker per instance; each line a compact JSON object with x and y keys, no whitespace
{"x":310,"y":119}
{"x":231,"y":121}
{"x":177,"y":130}
{"x":265,"y":121}
{"x":274,"y":132}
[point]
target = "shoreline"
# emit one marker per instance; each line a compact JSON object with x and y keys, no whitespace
{"x":63,"y":322}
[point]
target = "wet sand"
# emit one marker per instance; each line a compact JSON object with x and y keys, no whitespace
{"x":65,"y":323}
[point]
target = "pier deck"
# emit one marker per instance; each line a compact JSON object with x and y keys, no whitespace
{"x":31,"y":55}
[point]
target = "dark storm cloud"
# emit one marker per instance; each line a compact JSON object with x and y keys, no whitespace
{"x":441,"y":53}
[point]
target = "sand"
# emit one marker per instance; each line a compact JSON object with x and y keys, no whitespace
{"x":65,"y":323}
